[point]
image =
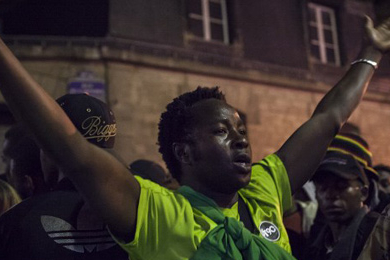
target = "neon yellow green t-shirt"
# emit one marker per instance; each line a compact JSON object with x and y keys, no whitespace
{"x":169,"y":228}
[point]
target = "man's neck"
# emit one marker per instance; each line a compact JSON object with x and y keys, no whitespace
{"x":223,"y":200}
{"x":337,"y":230}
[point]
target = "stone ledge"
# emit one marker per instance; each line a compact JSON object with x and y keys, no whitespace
{"x":179,"y":59}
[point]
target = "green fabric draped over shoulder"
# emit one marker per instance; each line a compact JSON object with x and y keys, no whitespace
{"x":229,"y":239}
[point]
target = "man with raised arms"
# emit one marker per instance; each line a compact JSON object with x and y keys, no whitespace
{"x":205,"y":145}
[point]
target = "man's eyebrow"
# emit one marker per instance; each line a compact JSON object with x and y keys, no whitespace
{"x":220,"y":120}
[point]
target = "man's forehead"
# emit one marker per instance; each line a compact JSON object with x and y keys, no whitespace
{"x":214,"y":110}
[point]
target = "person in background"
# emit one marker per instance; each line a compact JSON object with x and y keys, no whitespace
{"x":11,"y":139}
{"x":354,"y":145}
{"x":300,"y":218}
{"x":20,"y":155}
{"x":59,"y":224}
{"x":206,"y":148}
{"x":25,"y":171}
{"x":384,"y":177}
{"x":358,"y":147}
{"x":341,"y":189}
{"x":8,"y":197}
{"x":150,"y":170}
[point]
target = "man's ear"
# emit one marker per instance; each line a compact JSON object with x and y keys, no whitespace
{"x":182,"y":152}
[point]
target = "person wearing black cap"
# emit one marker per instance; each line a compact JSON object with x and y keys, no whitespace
{"x":341,"y":189}
{"x":358,"y":147}
{"x":59,"y":224}
{"x":204,"y":142}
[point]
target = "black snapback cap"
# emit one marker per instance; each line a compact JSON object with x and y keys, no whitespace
{"x":92,"y":117}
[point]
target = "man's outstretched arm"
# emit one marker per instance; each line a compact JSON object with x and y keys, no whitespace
{"x":303,"y":151}
{"x":104,"y":182}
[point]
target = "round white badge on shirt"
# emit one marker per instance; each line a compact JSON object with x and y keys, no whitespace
{"x":269,"y":231}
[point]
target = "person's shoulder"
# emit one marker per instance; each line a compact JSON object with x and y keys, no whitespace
{"x":270,"y":164}
{"x":271,"y":160}
{"x":37,"y":203}
{"x":11,"y":219}
{"x":154,"y":187}
{"x":18,"y":211}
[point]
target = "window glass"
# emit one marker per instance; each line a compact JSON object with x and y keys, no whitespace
{"x":216,"y":32}
{"x":325,"y":18}
{"x":328,"y":36}
{"x":330,"y":55}
{"x":194,"y":6}
{"x":215,"y":10}
{"x":313,"y":33}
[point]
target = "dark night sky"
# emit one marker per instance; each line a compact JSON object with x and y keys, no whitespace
{"x":55,"y":17}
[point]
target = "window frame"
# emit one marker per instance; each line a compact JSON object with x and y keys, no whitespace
{"x":320,"y":28}
{"x":207,"y":21}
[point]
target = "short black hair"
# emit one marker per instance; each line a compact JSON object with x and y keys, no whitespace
{"x":14,"y":135}
{"x":175,"y":123}
{"x":27,"y":156}
{"x":15,"y":131}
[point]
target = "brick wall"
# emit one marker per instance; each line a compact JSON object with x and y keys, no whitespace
{"x":138,"y":94}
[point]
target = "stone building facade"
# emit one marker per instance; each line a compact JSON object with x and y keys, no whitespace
{"x":147,"y":52}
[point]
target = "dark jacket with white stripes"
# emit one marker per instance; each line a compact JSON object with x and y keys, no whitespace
{"x":56,"y":225}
